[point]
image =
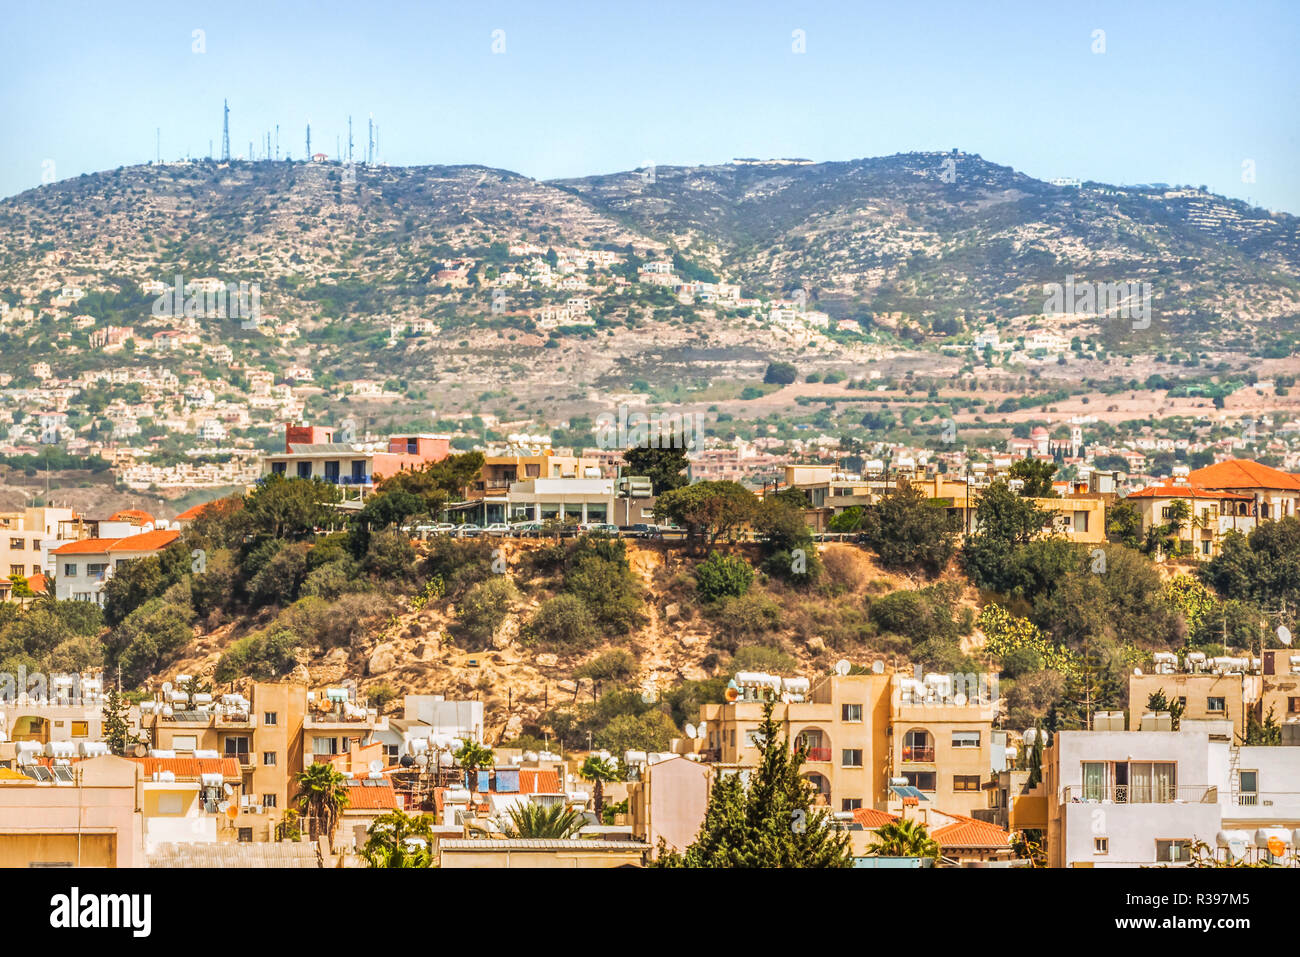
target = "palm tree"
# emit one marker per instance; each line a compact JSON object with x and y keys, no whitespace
{"x":539,"y":820}
{"x":903,"y":839}
{"x":471,"y":757}
{"x":400,"y":840}
{"x":322,"y":796}
{"x":1178,"y":513}
{"x":599,"y":770}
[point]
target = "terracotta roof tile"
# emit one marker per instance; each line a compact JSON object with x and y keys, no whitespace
{"x":191,"y":767}
{"x":968,"y":832}
{"x":86,"y":546}
{"x":1243,"y":473}
{"x":871,"y":819}
{"x":362,"y":798}
{"x":1185,"y":491}
{"x":147,"y":542}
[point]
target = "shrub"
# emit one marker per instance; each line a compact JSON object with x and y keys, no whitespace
{"x":563,"y":621}
{"x":722,"y":576}
{"x":485,"y":606}
{"x":618,"y":665}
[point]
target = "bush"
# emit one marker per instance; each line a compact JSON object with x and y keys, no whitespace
{"x":930,"y":612}
{"x":747,"y":616}
{"x":485,"y":606}
{"x":279,"y":579}
{"x":265,"y":656}
{"x":762,"y":658}
{"x":618,"y":665}
{"x":722,"y":576}
{"x":563,"y":621}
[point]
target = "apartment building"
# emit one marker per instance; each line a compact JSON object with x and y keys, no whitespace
{"x":23,"y":537}
{"x":1275,"y":494}
{"x":668,"y":801}
{"x":42,"y":714}
{"x":500,"y":471}
{"x":272,"y":735}
{"x":1133,"y":798}
{"x":1212,"y":514}
{"x":311,"y":452}
{"x":871,"y":738}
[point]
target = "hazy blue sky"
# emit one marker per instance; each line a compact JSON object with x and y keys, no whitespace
{"x":1184,"y":92}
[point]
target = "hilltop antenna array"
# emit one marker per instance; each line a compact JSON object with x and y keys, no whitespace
{"x":309,"y":141}
{"x":370,"y":139}
{"x":277,"y":142}
{"x":225,"y":131}
{"x":349,"y":139}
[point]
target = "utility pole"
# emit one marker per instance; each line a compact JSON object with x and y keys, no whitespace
{"x":349,"y":139}
{"x":225,"y":131}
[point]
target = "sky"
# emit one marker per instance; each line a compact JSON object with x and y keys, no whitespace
{"x":1179,"y":92}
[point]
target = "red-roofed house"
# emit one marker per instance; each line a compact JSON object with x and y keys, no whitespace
{"x":82,"y":567}
{"x":1275,"y":494}
{"x":1213,"y":513}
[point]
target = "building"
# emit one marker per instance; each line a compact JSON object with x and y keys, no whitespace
{"x":24,"y":536}
{"x":1211,"y":514}
{"x":868,"y":734}
{"x":668,"y":801}
{"x":82,"y":567}
{"x":1276,"y":494}
{"x":311,"y":452}
{"x":272,"y":735}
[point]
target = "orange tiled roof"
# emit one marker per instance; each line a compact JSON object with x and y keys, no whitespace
{"x":190,"y":514}
{"x":133,"y":515}
{"x":871,"y":819}
{"x":537,"y":781}
{"x":362,"y":798}
{"x":37,"y":582}
{"x":87,"y":546}
{"x":146,"y":542}
{"x":1184,"y":491}
{"x":1243,"y":473}
{"x":190,"y":767}
{"x":968,"y":832}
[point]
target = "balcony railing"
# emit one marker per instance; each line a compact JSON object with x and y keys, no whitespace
{"x":1138,"y":794}
{"x":819,"y":754}
{"x":923,"y":755}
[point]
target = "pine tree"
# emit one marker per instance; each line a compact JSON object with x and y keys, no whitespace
{"x":117,"y":730}
{"x":770,"y":823}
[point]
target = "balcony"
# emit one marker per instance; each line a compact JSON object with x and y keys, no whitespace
{"x":1142,"y":794}
{"x":918,"y":755}
{"x":822,"y":755}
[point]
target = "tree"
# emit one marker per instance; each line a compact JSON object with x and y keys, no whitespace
{"x":399,"y":840}
{"x":541,"y":821}
{"x":564,"y":621}
{"x":1157,"y":702}
{"x":1037,"y":476}
{"x":780,"y":373}
{"x":908,"y":530}
{"x":117,"y":730}
{"x":598,"y":771}
{"x":1124,"y":524}
{"x":470,"y":757}
{"x":708,"y":509}
{"x":322,"y":796}
{"x":290,"y":508}
{"x":1004,"y":522}
{"x":769,"y":823}
{"x":665,"y":467}
{"x":904,"y":838}
{"x":1261,"y":733}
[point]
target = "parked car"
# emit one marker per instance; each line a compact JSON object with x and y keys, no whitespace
{"x":468,"y":531}
{"x":643,"y":530}
{"x":496,"y":529}
{"x":438,"y":528}
{"x":521,"y":529}
{"x":600,"y":528}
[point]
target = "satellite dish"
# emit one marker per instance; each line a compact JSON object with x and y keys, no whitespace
{"x":959,"y":700}
{"x":228,"y":789}
{"x":690,"y":731}
{"x":141,"y":750}
{"x":166,"y":687}
{"x":1138,"y":672}
{"x":422,"y":760}
{"x":1284,"y":634}
{"x":877,"y":667}
{"x":375,"y":766}
{"x":843,"y":667}
{"x":406,"y":760}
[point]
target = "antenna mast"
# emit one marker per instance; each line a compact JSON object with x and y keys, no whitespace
{"x":225,"y":131}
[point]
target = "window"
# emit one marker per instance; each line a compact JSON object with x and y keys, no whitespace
{"x":918,"y":746}
{"x":965,"y":739}
{"x":268,"y":800}
{"x":269,"y":717}
{"x":81,"y":729}
{"x":1247,"y":788}
{"x":245,"y":835}
{"x":850,"y":804}
{"x":277,"y":468}
{"x":17,"y":570}
{"x":304,"y":470}
{"x":94,"y":571}
{"x":851,"y":713}
{"x":237,"y":747}
{"x":1101,"y":845}
{"x":1293,"y":704}
{"x":18,"y":544}
{"x":184,"y":742}
{"x":1150,"y":783}
{"x":1216,"y":705}
{"x":921,"y":780}
{"x":268,"y":759}
{"x":965,"y":782}
{"x":851,"y":758}
{"x":324,"y":746}
{"x":1170,"y":852}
